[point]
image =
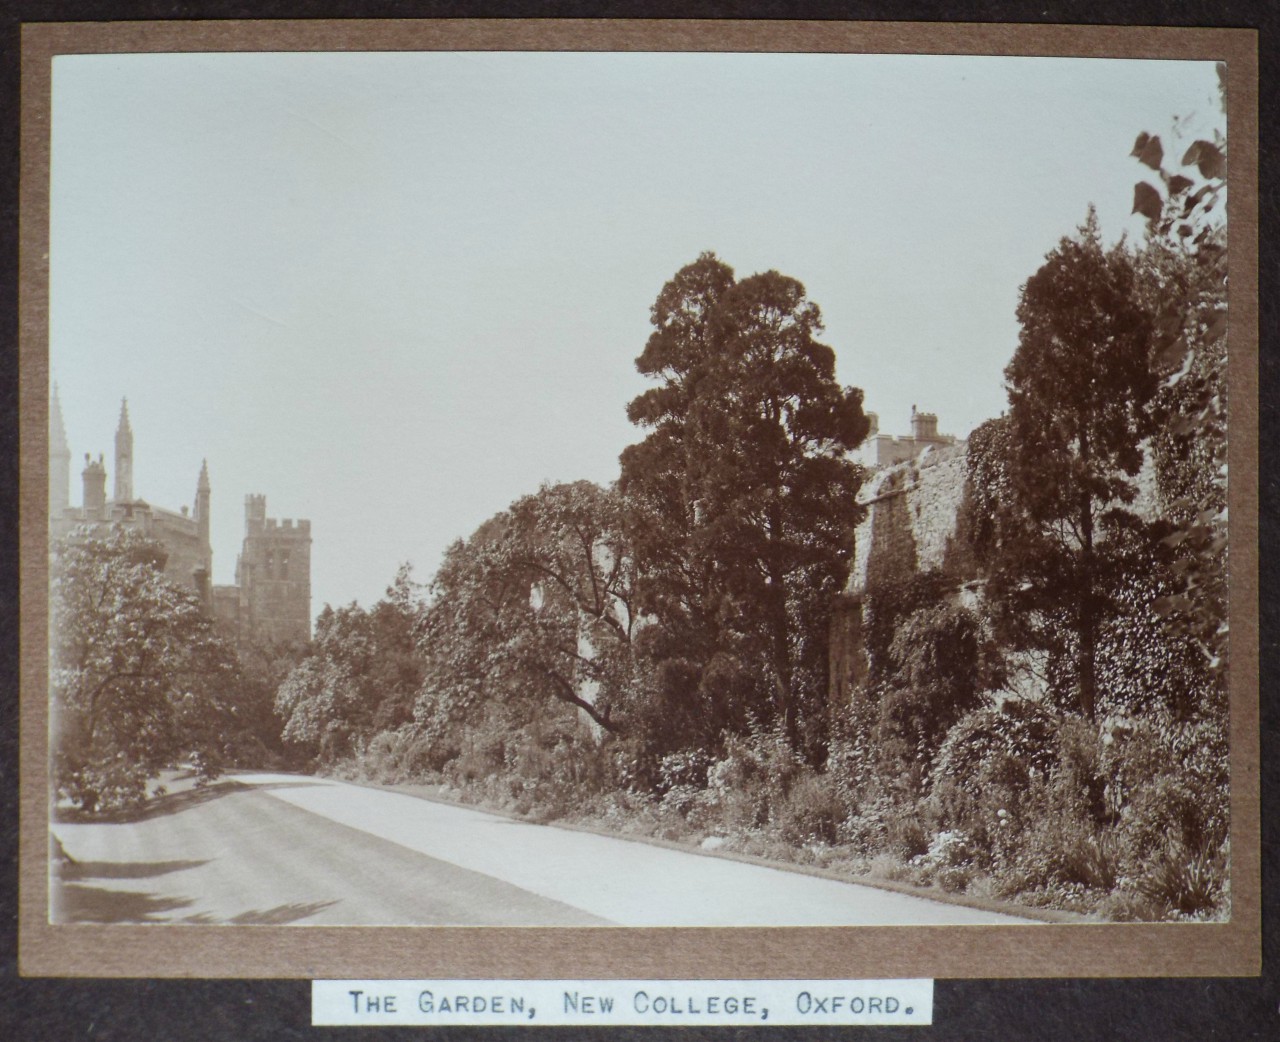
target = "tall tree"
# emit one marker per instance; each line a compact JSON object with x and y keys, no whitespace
{"x":535,"y":610}
{"x":744,"y":497}
{"x":1079,"y":384}
{"x":139,"y":679}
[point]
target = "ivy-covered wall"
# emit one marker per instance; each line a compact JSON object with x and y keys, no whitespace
{"x":913,"y":526}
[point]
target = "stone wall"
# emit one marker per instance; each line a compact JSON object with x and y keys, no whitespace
{"x":911,"y":522}
{"x":911,"y":526}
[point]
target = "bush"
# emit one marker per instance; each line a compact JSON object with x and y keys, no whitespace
{"x":949,"y":861}
{"x":750,"y":782}
{"x":1186,"y":881}
{"x":104,"y":787}
{"x":811,"y":812}
{"x":986,"y":767}
{"x":942,"y":663}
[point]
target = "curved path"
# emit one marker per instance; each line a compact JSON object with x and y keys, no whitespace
{"x":276,"y":848}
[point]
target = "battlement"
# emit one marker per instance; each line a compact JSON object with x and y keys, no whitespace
{"x":924,"y":426}
{"x":288,"y":526}
{"x":884,"y":450}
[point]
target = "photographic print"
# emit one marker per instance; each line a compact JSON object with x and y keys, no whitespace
{"x":585,"y":492}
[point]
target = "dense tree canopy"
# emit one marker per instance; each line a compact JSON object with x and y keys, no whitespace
{"x":535,"y":609}
{"x":139,"y":678}
{"x":744,"y":499}
{"x":361,"y":676}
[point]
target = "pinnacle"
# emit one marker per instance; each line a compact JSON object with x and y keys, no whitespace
{"x":203,"y":484}
{"x":124,"y":414}
{"x":57,"y":430}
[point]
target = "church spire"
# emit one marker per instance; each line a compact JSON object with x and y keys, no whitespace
{"x":124,"y":456}
{"x":202,"y":517}
{"x":59,"y":460}
{"x":57,"y":430}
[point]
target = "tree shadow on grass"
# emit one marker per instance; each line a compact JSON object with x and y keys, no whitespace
{"x":156,"y":807}
{"x":281,"y":915}
{"x":171,"y":803}
{"x":76,"y":903}
{"x":71,"y":871}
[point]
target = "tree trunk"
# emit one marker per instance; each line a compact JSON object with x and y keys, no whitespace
{"x":781,"y":636}
{"x":1085,"y":666}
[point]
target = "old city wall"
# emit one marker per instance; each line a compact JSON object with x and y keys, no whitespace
{"x":911,"y":519}
{"x":911,"y":526}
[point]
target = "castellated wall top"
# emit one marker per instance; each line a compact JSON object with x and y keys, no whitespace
{"x":288,"y":526}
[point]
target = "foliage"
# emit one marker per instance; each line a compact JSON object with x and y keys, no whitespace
{"x":1145,"y":667}
{"x":989,"y":461}
{"x":1079,"y":385}
{"x":986,"y":766}
{"x":1187,"y":881}
{"x":259,"y":730}
{"x":743,"y":500}
{"x":533,"y":611}
{"x":885,"y":606}
{"x":1186,"y":281}
{"x":139,"y":679}
{"x":943,"y":663}
{"x":360,"y":677}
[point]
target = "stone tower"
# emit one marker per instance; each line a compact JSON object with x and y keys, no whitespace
{"x":59,"y":461}
{"x":94,"y":477}
{"x":274,"y":575}
{"x":124,"y":456}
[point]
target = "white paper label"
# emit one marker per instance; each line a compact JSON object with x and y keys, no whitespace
{"x":620,"y":1002}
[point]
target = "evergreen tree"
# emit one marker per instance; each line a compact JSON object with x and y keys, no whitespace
{"x":743,"y":501}
{"x":1079,"y":384}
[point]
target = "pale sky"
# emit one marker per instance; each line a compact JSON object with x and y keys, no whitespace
{"x":395,"y":292}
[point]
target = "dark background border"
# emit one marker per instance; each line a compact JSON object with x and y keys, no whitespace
{"x":1192,"y":1009}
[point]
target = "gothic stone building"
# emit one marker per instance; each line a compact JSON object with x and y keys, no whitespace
{"x":271,"y":598}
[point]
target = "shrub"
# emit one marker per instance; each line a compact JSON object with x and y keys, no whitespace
{"x":381,"y":760}
{"x":949,"y":861}
{"x":811,"y":811}
{"x":687,"y":768}
{"x":475,"y":763}
{"x":104,"y":787}
{"x":1184,"y":880}
{"x":753,"y":777}
{"x":942,"y":663}
{"x":986,"y":767}
{"x":1090,"y":859}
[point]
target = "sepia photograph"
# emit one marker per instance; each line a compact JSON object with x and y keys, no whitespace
{"x":639,"y":488}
